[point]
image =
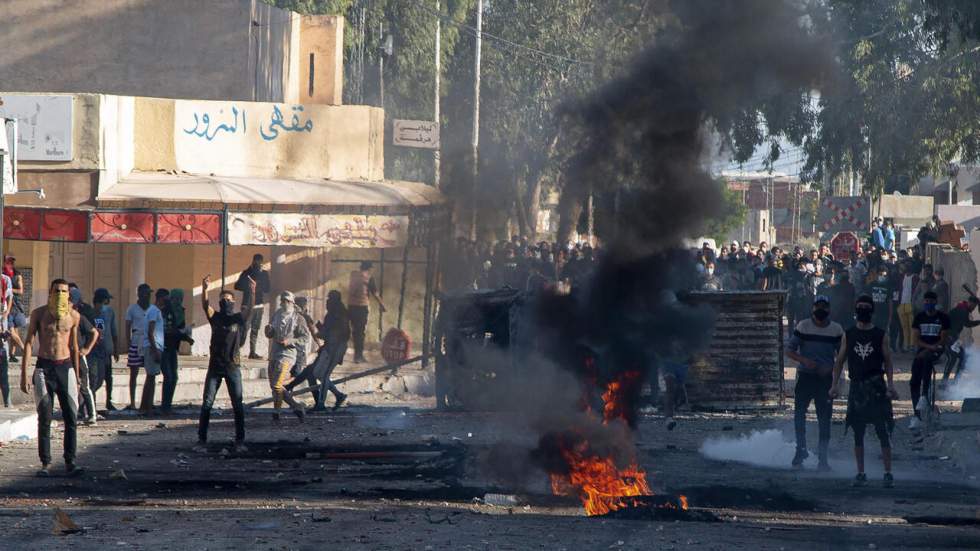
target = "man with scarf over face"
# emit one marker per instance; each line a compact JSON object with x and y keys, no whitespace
{"x":229,"y":330}
{"x":285,"y":329}
{"x":814,"y":345}
{"x":56,"y":373}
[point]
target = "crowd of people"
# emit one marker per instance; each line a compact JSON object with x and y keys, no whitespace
{"x":518,"y":264}
{"x":76,"y":344}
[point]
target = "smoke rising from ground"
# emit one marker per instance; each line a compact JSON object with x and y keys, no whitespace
{"x":644,"y":135}
{"x":968,"y":385}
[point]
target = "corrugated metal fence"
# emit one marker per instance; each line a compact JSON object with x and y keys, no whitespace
{"x":743,"y":366}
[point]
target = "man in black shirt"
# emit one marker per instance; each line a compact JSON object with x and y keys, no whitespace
{"x":869,"y":402}
{"x":929,"y":329}
{"x":228,"y":331}
{"x":88,"y":336}
{"x":254,"y":295}
{"x":881,"y":292}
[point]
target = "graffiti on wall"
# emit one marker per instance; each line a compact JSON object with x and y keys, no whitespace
{"x":317,"y":230}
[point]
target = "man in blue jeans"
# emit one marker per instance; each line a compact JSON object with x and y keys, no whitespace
{"x":228,"y":333}
{"x":814,"y":345}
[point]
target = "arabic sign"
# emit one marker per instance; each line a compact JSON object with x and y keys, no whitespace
{"x":844,"y":214}
{"x":244,"y":138}
{"x":45,"y":124}
{"x":424,"y":134}
{"x":317,"y":230}
{"x":8,"y":156}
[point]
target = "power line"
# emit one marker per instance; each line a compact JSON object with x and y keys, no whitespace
{"x":473,"y":31}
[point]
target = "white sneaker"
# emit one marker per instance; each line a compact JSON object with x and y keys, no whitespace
{"x":922,"y":404}
{"x":915,"y":423}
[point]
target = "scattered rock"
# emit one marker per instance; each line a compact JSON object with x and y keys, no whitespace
{"x":63,"y":524}
{"x":118,"y":474}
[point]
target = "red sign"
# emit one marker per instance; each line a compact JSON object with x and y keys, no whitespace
{"x":122,"y":227}
{"x":843,"y":244}
{"x":396,"y":346}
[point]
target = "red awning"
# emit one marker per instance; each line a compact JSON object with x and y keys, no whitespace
{"x":112,"y":226}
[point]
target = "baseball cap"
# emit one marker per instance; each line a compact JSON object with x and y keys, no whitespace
{"x":821,"y":298}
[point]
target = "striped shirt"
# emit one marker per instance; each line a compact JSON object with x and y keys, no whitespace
{"x":816,"y":343}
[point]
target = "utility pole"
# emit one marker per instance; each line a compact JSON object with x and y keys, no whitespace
{"x":476,"y":115}
{"x":381,"y":64}
{"x":436,"y":154}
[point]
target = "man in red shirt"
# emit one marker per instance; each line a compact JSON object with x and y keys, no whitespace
{"x":359,"y":292}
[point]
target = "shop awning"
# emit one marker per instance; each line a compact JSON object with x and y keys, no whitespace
{"x":168,"y":190}
{"x":184,"y":209}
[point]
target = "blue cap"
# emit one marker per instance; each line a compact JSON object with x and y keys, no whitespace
{"x":821,"y":298}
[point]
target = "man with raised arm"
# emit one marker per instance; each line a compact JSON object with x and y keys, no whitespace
{"x":229,"y":329}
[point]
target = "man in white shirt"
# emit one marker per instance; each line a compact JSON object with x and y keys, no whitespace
{"x":135,"y":327}
{"x":152,"y":348}
{"x":905,"y":311}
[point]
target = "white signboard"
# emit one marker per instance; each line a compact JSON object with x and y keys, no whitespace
{"x":317,"y":230}
{"x":45,"y":124}
{"x":424,"y":134}
{"x":8,"y":149}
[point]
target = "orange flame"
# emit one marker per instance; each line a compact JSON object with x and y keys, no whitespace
{"x":600,"y":484}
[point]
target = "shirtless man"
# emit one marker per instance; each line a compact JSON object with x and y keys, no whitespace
{"x":56,"y":372}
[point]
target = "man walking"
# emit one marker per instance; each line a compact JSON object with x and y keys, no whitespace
{"x":869,"y":401}
{"x":255,"y":273}
{"x":55,"y":373}
{"x":929,"y":329}
{"x":285,"y":329}
{"x":105,"y":351}
{"x":360,"y":290}
{"x":228,"y":331}
{"x":814,"y":345}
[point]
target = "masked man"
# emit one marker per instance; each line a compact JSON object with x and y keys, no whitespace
{"x":286,"y":328}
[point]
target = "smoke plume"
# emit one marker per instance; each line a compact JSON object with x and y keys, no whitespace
{"x":643,"y":136}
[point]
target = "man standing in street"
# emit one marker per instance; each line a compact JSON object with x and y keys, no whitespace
{"x":55,"y":373}
{"x":929,"y":330}
{"x":152,"y":349}
{"x":814,"y":345}
{"x":105,"y":352}
{"x":927,"y":283}
{"x":941,"y":288}
{"x":135,"y":325}
{"x":869,"y":401}
{"x":260,"y":276}
{"x":905,"y":294}
{"x":881,"y":294}
{"x":88,"y":337}
{"x":228,"y":331}
{"x":360,"y":290}
{"x":285,"y":329}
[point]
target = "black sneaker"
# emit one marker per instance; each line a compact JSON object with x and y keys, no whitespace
{"x":72,"y":469}
{"x":889,"y":480}
{"x":254,"y":356}
{"x":275,"y":417}
{"x":111,"y":407}
{"x":800,"y":457}
{"x":860,"y":480}
{"x":341,"y":400}
{"x":45,"y":471}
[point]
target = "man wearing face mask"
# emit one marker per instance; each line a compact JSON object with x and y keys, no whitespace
{"x":799,"y":299}
{"x":927,"y":283}
{"x":929,"y":330}
{"x":56,"y":373}
{"x":285,"y":329}
{"x":711,"y":282}
{"x":869,"y":402}
{"x":229,"y":330}
{"x":842,"y":295}
{"x":881,"y":295}
{"x":814,"y":345}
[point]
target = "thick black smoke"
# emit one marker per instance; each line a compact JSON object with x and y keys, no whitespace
{"x":645,"y":135}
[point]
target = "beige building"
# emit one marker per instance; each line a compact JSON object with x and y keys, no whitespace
{"x":157,"y":167}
